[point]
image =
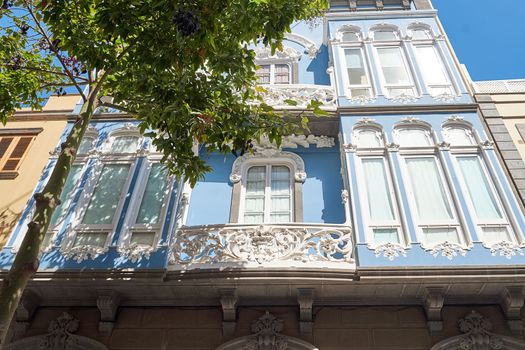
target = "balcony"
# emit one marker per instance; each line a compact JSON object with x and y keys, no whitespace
{"x":302,"y":246}
{"x":276,"y":95}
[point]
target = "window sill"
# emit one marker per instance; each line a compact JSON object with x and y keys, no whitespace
{"x":8,"y":175}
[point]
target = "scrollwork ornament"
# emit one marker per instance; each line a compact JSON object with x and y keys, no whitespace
{"x":506,"y":249}
{"x":390,"y":251}
{"x":448,"y":250}
{"x":349,"y":148}
{"x":392,"y":147}
{"x":362,"y":100}
{"x":134,"y":252}
{"x":300,"y":176}
{"x":487,"y":144}
{"x":84,"y":252}
{"x":234,"y":178}
{"x":266,"y":336}
{"x":345,"y":196}
{"x":446,"y":97}
{"x":477,"y":333}
{"x":60,"y":336}
{"x":403,"y":98}
{"x":445,"y":146}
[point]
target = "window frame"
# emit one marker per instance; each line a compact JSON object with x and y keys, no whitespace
{"x":349,"y":87}
{"x":430,"y":85}
{"x":17,"y":135}
{"x":406,"y":64}
{"x":272,"y":64}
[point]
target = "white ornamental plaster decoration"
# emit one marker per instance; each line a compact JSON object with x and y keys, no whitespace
{"x":348,"y":28}
{"x":264,"y":53}
{"x":365,"y":121}
{"x":410,"y":120}
{"x":261,"y":244}
{"x":477,"y":333}
{"x":403,"y":98}
{"x":444,"y":145}
{"x":384,"y":27}
{"x":345,"y":196}
{"x":487,"y":144}
{"x":348,"y":148}
{"x":455,"y":118}
{"x":310,"y":47}
{"x":446,"y":97}
{"x":266,"y":336}
{"x":314,"y":22}
{"x":134,"y":252}
{"x":448,"y":250}
{"x":301,"y":94}
{"x":362,"y":100}
{"x":392,"y":147}
{"x":294,"y":141}
{"x":84,"y":252}
{"x":390,"y":251}
{"x":60,"y":336}
{"x":300,"y":174}
{"x":506,"y":249}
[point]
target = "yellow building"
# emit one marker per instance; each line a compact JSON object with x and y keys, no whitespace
{"x":25,"y":143}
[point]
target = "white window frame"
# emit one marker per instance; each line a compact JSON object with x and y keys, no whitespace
{"x":106,"y":157}
{"x":408,"y":68}
{"x":267,"y":190}
{"x":430,"y":85}
{"x":272,"y":65}
{"x":346,"y":80}
{"x":130,"y":226}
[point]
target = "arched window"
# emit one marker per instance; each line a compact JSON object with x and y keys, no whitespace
{"x":350,"y":37}
{"x":381,"y":214}
{"x":267,"y":189}
{"x":421,"y":34}
{"x":385,"y":34}
{"x":459,"y":136}
{"x":430,"y":197}
{"x":278,"y":68}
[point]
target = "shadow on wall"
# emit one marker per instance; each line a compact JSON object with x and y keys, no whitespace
{"x":8,"y":220}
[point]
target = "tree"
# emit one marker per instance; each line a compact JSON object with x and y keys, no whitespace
{"x":183,"y":68}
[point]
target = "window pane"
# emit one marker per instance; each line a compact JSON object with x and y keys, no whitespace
{"x":125,"y":144}
{"x":4,"y":144}
{"x":431,"y":66}
{"x":263,"y":74}
{"x":368,"y":139}
{"x":154,"y":195}
{"x":377,"y":190}
{"x":352,"y":37}
{"x":396,"y":92}
{"x":385,"y":35}
{"x":142,"y":238}
{"x":429,"y":191}
{"x":413,"y":137}
{"x":360,"y":92}
{"x":478,"y":189}
{"x":103,"y":204}
{"x":97,"y":239}
{"x":355,"y":67}
{"x":282,"y":74}
{"x":86,"y":145}
{"x":495,"y":234}
{"x":67,"y":192}
{"x":385,"y":235}
{"x":280,"y":194}
{"x":254,"y":198}
{"x":458,"y":137}
{"x":439,"y":235}
{"x":420,"y":34}
{"x":393,"y":67}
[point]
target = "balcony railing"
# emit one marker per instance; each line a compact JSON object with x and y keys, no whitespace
{"x":246,"y":246}
{"x":278,"y":94}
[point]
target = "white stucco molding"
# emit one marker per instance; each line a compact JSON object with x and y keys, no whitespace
{"x":310,"y":47}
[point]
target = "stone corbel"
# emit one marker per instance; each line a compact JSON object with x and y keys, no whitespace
{"x":228,"y":299}
{"x":108,"y":302}
{"x":433,"y":304}
{"x":512,"y":301}
{"x":305,"y":298}
{"x":24,"y":313}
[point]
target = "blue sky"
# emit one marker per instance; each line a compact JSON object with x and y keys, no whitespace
{"x":488,"y":36}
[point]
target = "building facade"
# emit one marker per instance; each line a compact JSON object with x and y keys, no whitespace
{"x":393,"y":224}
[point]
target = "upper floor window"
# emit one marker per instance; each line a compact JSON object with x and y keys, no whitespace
{"x":434,"y":71}
{"x":351,"y":37}
{"x":385,"y":35}
{"x":413,"y":137}
{"x":123,"y":144}
{"x":357,"y":73}
{"x":274,"y":74}
{"x":368,"y":138}
{"x":421,"y":34}
{"x":459,"y":136}
{"x":397,"y":79}
{"x":14,"y":146}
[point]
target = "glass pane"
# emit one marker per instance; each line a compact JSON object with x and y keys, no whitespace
{"x":86,"y":145}
{"x":125,"y":144}
{"x":385,"y":235}
{"x":458,"y":137}
{"x":439,"y":235}
{"x":377,"y":190}
{"x":348,"y":36}
{"x":394,"y":69}
{"x":478,"y":189}
{"x":369,"y":139}
{"x":413,"y":137}
{"x":360,"y":92}
{"x":97,"y":239}
{"x":142,"y":238}
{"x":436,"y":91}
{"x":282,"y":74}
{"x":355,"y":67}
{"x":431,"y":66}
{"x":263,"y":74}
{"x":385,"y":35}
{"x":396,"y":92}
{"x":67,"y":193}
{"x":106,"y":196}
{"x":420,"y":34}
{"x":154,"y":195}
{"x":254,"y":197}
{"x":495,"y":234}
{"x":280,"y":194}
{"x":429,"y":191}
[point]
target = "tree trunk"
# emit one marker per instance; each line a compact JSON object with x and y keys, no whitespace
{"x":27,"y":259}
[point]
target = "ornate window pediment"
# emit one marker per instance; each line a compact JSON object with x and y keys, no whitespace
{"x":385,"y":32}
{"x":267,"y":336}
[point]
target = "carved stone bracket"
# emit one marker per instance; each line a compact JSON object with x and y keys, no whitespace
{"x":305,"y":298}
{"x":24,"y":313}
{"x":433,"y":304}
{"x":108,"y":302}
{"x":512,"y":301}
{"x":228,"y":299}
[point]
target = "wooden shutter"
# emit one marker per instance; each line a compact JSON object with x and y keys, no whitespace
{"x":13,"y":149}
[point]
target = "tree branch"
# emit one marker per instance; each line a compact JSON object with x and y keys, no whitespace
{"x":55,"y":51}
{"x":117,"y":106}
{"x":37,"y":69}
